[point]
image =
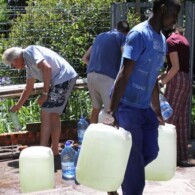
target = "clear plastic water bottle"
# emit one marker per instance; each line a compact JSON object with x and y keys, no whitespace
{"x":76,"y":156}
{"x":166,"y":110}
{"x":67,"y":161}
{"x":81,"y":128}
{"x":15,"y":121}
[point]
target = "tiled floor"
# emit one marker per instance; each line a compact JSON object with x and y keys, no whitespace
{"x":183,"y":183}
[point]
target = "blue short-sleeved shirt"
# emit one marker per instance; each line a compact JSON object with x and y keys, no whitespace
{"x":148,"y":49}
{"x":106,"y":55}
{"x":61,"y":70}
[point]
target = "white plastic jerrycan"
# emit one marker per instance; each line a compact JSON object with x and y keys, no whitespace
{"x":103,"y":157}
{"x":164,"y":166}
{"x":36,"y":169}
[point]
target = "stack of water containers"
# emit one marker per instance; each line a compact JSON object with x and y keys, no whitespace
{"x":69,"y":155}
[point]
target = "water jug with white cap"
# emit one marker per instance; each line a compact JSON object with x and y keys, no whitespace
{"x":164,"y":166}
{"x":103,"y":157}
{"x":36,"y":169}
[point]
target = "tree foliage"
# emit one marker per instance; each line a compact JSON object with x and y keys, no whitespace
{"x":66,"y":26}
{"x":4,"y":13}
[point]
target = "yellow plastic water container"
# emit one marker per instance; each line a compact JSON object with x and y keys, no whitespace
{"x":103,"y":157}
{"x":36,"y":169}
{"x":164,"y":166}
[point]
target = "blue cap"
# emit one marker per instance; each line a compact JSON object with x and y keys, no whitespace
{"x":69,"y":142}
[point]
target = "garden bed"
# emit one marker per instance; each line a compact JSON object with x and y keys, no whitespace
{"x":32,"y":134}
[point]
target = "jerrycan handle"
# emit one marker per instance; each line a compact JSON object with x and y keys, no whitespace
{"x":109,"y":119}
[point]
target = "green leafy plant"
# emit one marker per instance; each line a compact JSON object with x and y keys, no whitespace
{"x":79,"y":104}
{"x":66,"y":26}
{"x":27,"y":114}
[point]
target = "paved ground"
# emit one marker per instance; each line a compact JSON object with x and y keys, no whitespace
{"x":183,"y":183}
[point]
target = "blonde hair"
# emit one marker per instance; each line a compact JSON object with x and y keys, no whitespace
{"x":11,"y":54}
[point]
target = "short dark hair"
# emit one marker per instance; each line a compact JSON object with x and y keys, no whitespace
{"x":123,"y":26}
{"x":157,"y":4}
{"x":176,"y":28}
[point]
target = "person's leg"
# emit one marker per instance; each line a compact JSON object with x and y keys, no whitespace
{"x":183,"y":126}
{"x":50,"y":126}
{"x":172,"y":93}
{"x":45,"y":128}
{"x":52,"y":109}
{"x":55,"y":132}
{"x":94,"y":115}
{"x":132,"y":119}
{"x":107,"y":84}
{"x":177,"y":93}
{"x":94,"y":86}
{"x":100,"y":94}
{"x":183,"y":117}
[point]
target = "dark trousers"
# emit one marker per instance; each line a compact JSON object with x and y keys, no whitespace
{"x":143,"y":126}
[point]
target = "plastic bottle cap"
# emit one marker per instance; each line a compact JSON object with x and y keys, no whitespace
{"x":69,"y":142}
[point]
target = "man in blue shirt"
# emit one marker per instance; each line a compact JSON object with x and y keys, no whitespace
{"x":103,"y":60}
{"x":135,"y":96}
